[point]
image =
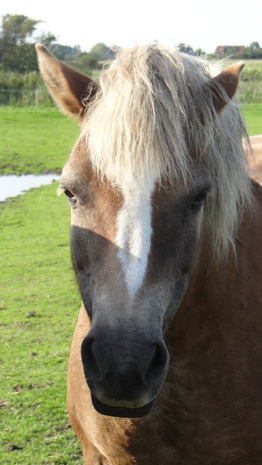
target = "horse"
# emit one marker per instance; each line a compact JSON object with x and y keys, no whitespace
{"x":166,"y":244}
{"x":254,"y":153}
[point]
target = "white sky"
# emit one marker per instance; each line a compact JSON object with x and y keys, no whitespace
{"x":202,"y":24}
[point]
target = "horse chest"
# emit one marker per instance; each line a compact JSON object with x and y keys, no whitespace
{"x":148,"y":445}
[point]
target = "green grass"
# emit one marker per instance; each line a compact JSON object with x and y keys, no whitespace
{"x":253,"y":118}
{"x":36,"y":276}
{"x":35,"y":139}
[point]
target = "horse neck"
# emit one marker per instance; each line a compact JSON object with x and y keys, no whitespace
{"x":226,"y":293}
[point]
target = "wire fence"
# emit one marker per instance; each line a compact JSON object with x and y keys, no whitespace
{"x":249,"y":92}
{"x":31,"y":97}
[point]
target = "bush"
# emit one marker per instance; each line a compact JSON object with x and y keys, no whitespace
{"x":251,"y":82}
{"x":20,"y":89}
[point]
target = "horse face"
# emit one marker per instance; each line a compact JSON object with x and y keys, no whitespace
{"x":134,"y":249}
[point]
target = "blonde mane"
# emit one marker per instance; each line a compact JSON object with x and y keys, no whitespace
{"x":154,"y":112}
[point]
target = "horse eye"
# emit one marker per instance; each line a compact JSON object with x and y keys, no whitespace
{"x":200,"y":197}
{"x":69,"y":194}
{"x":198,"y":201}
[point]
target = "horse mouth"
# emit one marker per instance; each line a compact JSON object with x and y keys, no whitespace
{"x":121,"y":412}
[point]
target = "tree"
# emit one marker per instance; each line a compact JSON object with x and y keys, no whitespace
{"x":16,"y":54}
{"x":254,"y":50}
{"x":186,"y":49}
{"x":85,"y":61}
{"x":17,"y":43}
{"x":254,"y":46}
{"x":17,"y":28}
{"x":47,"y":39}
{"x":64,"y":52}
{"x":189,"y":50}
{"x":199,"y":52}
{"x":102,"y":52}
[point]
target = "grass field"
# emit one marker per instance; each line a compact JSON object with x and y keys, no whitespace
{"x":36,"y":276}
{"x":38,"y":308}
{"x":252,"y":115}
{"x":39,"y":300}
{"x":35,"y":139}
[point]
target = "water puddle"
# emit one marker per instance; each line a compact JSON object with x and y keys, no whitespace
{"x":13,"y":185}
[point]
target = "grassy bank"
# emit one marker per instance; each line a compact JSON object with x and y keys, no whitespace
{"x":35,"y":139}
{"x":38,"y":308}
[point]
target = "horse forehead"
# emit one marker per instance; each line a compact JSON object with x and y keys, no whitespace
{"x":134,"y":231}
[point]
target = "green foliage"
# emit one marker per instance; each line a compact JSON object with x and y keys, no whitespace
{"x":84,"y":62}
{"x":46,"y":39}
{"x":186,"y":49}
{"x":16,"y":53}
{"x":17,"y":49}
{"x":17,"y":43}
{"x":64,"y":52}
{"x":17,"y":28}
{"x":251,"y":52}
{"x":12,"y":80}
{"x":19,"y":75}
{"x":251,"y":82}
{"x":254,"y":51}
{"x":189,"y":50}
{"x":102,"y":52}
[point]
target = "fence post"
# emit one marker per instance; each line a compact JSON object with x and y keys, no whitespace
{"x":36,"y":97}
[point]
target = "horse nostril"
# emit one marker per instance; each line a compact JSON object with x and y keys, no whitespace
{"x":157,"y":364}
{"x":90,"y":360}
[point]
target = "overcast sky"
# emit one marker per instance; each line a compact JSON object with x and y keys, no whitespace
{"x":202,"y":24}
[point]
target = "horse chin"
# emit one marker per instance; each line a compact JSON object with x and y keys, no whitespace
{"x":122,"y":412}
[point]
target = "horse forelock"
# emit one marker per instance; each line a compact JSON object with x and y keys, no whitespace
{"x":154,"y":114}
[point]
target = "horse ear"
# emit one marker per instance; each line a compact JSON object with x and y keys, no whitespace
{"x":227,"y":80}
{"x":68,"y":87}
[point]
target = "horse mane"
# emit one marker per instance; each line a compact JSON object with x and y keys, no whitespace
{"x":154,"y":114}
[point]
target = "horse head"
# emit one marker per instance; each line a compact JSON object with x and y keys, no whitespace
{"x":139,"y":189}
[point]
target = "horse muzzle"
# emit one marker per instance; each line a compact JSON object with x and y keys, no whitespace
{"x":124,"y":377}
{"x":122,"y":412}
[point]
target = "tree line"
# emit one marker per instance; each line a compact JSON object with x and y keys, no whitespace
{"x":18,"y":62}
{"x":253,"y":51}
{"x":18,"y":35}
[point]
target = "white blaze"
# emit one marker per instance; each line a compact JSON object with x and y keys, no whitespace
{"x":134,"y":234}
